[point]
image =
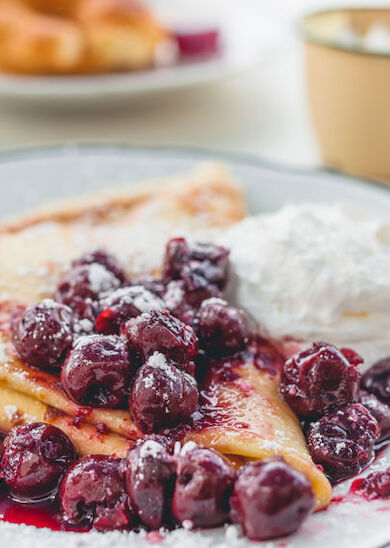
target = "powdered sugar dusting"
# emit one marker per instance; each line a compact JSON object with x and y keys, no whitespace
{"x":150,"y":448}
{"x":159,"y":361}
{"x":136,"y":295}
{"x":101,"y":279}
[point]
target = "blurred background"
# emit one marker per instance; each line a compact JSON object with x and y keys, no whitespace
{"x":254,"y":101}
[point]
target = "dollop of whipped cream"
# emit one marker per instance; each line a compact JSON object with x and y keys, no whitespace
{"x":315,"y":272}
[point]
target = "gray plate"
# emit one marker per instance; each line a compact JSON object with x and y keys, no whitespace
{"x":29,"y":177}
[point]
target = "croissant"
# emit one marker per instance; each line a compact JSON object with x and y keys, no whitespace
{"x":77,"y":36}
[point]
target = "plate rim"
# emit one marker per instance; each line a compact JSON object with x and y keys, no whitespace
{"x":39,"y":151}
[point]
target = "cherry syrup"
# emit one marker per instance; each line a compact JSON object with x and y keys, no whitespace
{"x":45,"y":514}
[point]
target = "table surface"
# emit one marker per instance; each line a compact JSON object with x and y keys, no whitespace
{"x":261,"y":112}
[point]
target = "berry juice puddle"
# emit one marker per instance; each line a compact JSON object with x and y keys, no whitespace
{"x":173,"y":409}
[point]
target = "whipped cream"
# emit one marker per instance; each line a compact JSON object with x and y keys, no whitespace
{"x":315,"y":272}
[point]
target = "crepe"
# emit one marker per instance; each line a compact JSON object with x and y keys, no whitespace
{"x":134,"y":223}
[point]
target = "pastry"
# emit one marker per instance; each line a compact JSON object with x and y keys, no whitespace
{"x":79,"y":36}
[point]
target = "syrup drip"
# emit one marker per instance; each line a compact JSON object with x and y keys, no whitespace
{"x":45,"y":514}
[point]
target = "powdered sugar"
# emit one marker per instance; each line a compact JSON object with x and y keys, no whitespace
{"x":150,"y":448}
{"x":101,"y":279}
{"x":159,"y":361}
{"x":135,"y":295}
{"x":174,"y":295}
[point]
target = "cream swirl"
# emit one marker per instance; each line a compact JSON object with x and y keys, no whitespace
{"x":313,"y":272}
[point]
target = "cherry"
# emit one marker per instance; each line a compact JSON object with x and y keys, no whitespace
{"x":93,"y":491}
{"x":184,"y":304}
{"x":270,"y":499}
{"x":379,"y":410}
{"x":198,"y":266}
{"x":103,"y":258}
{"x":159,"y":331}
{"x":222,"y":329}
{"x":122,"y":304}
{"x":203,"y":486}
{"x":162,"y":395}
{"x":83,"y":286}
{"x":377,"y":380}
{"x":317,"y":379}
{"x":43,"y":334}
{"x":375,"y":485}
{"x":150,"y":473}
{"x":343,"y":441}
{"x":35,"y":458}
{"x":353,"y":357}
{"x":97,"y":370}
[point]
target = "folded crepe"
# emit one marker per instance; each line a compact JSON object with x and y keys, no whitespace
{"x":250,"y":420}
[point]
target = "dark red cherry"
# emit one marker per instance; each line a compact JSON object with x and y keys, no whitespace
{"x":97,"y":371}
{"x":150,"y":476}
{"x":270,"y":499}
{"x":343,"y":441}
{"x":35,"y":458}
{"x":83,"y":286}
{"x":222,"y":329}
{"x":122,"y":304}
{"x":377,"y":380}
{"x":184,"y":304}
{"x":94,"y":491}
{"x":317,"y":379}
{"x":162,"y":395}
{"x":198,"y":265}
{"x":353,"y":357}
{"x":103,"y":258}
{"x":43,"y":334}
{"x":375,"y":485}
{"x":379,"y":410}
{"x":203,"y":486}
{"x":159,"y":331}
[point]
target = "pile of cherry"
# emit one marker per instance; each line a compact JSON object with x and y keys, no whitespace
{"x":137,"y":344}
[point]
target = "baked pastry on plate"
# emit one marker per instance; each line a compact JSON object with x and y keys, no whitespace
{"x":77,"y":37}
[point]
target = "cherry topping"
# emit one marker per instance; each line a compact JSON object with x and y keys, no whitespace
{"x":375,"y":485}
{"x":35,"y":458}
{"x":96,"y":371}
{"x":122,"y":304}
{"x":203,"y":486}
{"x":317,"y":379}
{"x":222,"y":329}
{"x":270,"y":499}
{"x":93,"y":491}
{"x":198,"y":266}
{"x":162,"y":395}
{"x":83,"y":286}
{"x":379,"y":410}
{"x":159,"y":331}
{"x":43,"y":334}
{"x":103,"y":258}
{"x":150,"y":473}
{"x":343,"y":441}
{"x":377,"y":380}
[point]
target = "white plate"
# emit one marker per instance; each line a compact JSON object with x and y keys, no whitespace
{"x":29,"y":177}
{"x":246,"y":39}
